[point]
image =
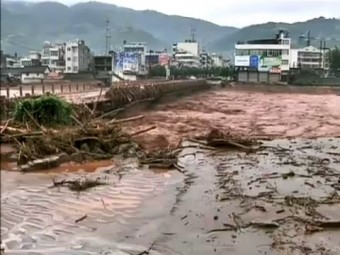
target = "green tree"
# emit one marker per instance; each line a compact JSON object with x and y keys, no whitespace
{"x":157,"y":71}
{"x":334,"y":59}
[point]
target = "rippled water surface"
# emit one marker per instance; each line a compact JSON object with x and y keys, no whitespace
{"x":40,"y":219}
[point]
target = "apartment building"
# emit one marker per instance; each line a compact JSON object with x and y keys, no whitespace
{"x":52,"y":55}
{"x":219,"y":61}
{"x":78,"y":57}
{"x":264,"y":60}
{"x":186,"y":53}
{"x":309,"y":58}
{"x":189,"y":46}
{"x":206,"y":60}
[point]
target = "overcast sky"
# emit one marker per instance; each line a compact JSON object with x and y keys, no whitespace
{"x":237,"y":13}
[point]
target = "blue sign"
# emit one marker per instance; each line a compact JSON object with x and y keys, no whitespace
{"x":254,"y":61}
{"x":127,"y":60}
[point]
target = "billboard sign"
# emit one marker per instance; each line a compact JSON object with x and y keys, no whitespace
{"x":275,"y":70}
{"x":271,"y":61}
{"x":254,"y":61}
{"x":164,"y":59}
{"x":130,"y":62}
{"x":119,"y":62}
{"x":242,"y":61}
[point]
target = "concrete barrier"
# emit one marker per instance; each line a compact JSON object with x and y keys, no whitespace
{"x":53,"y":88}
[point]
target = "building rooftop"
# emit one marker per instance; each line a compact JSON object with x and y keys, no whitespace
{"x":26,"y":69}
{"x":277,"y":40}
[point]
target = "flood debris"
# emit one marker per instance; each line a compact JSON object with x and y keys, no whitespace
{"x":90,"y":139}
{"x":148,"y":250}
{"x":80,"y":184}
{"x":160,"y":158}
{"x":81,"y":218}
{"x":217,"y":138}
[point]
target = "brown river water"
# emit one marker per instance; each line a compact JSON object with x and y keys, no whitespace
{"x":167,"y":212}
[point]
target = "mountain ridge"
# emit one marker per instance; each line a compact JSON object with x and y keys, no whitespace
{"x":52,"y":21}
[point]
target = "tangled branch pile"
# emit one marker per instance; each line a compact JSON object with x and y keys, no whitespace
{"x":91,"y":139}
{"x":97,"y":141}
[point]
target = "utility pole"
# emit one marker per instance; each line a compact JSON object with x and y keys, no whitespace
{"x":193,"y":35}
{"x":308,"y":38}
{"x":323,"y":57}
{"x":107,"y":37}
{"x":320,"y":60}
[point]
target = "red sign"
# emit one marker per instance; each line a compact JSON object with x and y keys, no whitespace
{"x":275,"y":70}
{"x":164,"y":59}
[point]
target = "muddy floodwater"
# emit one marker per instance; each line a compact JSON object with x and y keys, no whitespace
{"x":283,"y":198}
{"x":257,"y":112}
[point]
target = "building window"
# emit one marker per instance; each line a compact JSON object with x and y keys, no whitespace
{"x":285,"y":52}
{"x":54,"y":53}
{"x":242,"y":52}
{"x":75,"y":59}
{"x":74,"y":49}
{"x":69,"y":68}
{"x":254,"y":52}
{"x":68,"y":59}
{"x":75,"y":69}
{"x":285,"y":62}
{"x":68,"y":49}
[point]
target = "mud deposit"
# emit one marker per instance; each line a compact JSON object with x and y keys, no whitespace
{"x":281,"y":199}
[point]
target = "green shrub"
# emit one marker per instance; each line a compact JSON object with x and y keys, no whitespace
{"x":46,"y":110}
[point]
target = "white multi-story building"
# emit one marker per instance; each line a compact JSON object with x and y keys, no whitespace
{"x":189,"y":46}
{"x":53,"y":56}
{"x":263,"y":60}
{"x":183,"y":58}
{"x":219,"y":61}
{"x":205,"y":60}
{"x":186,"y":53}
{"x":309,"y":58}
{"x":78,"y":57}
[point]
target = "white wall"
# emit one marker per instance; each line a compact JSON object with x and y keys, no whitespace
{"x":262,"y":46}
{"x":191,"y":47}
{"x":293,"y":63}
{"x":32,"y":78}
{"x":77,"y":57}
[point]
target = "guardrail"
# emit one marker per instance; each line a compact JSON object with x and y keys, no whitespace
{"x":40,"y":89}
